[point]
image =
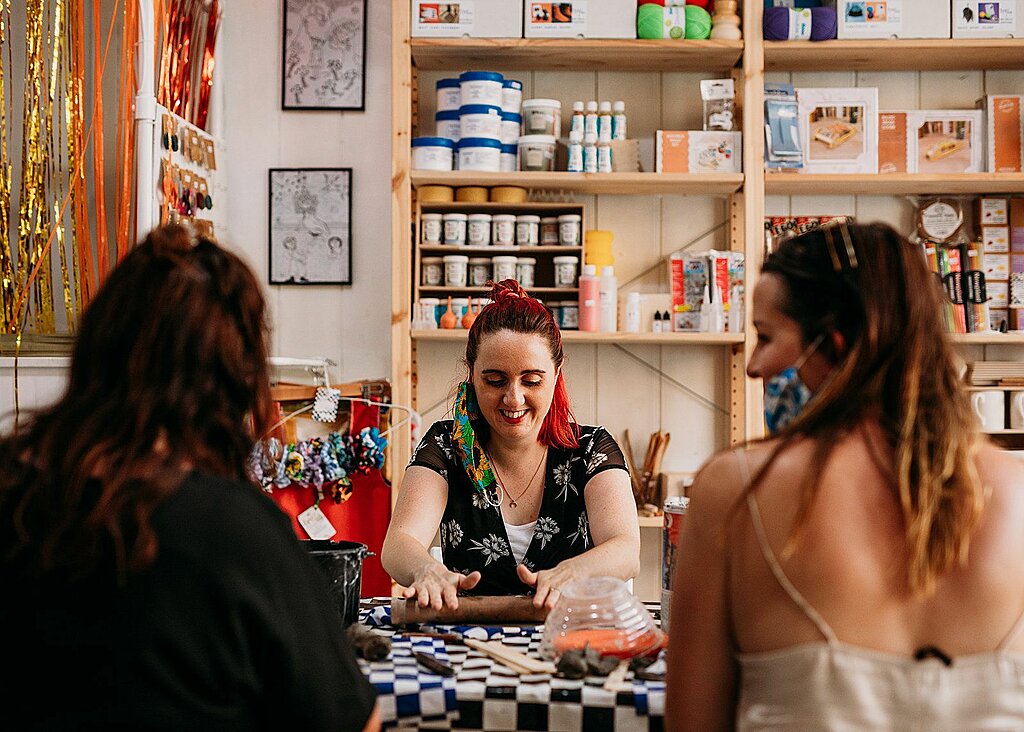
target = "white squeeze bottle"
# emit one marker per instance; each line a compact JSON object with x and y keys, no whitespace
{"x":589,"y":319}
{"x":577,"y":121}
{"x":619,"y":121}
{"x":604,"y":122}
{"x":590,"y":120}
{"x":608,"y":291}
{"x":631,"y":318}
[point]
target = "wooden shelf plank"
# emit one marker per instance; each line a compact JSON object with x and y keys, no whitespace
{"x":909,"y":54}
{"x":798,"y":184}
{"x":651,"y":522}
{"x":989,"y":339}
{"x":498,"y":250}
{"x":639,"y":184}
{"x":574,"y":54}
{"x":575,"y":336}
{"x":486,"y":290}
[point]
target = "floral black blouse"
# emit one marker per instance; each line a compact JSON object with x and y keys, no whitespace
{"x":473,"y":535}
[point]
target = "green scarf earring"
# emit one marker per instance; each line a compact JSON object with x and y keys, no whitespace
{"x":469,"y":450}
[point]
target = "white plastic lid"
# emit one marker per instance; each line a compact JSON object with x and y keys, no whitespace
{"x":590,"y":270}
{"x":577,"y":106}
{"x":431,"y":216}
{"x":430,"y":301}
{"x":608,"y":271}
{"x":528,"y":103}
{"x":537,"y":139}
{"x":571,"y":260}
{"x":455,"y":216}
{"x":432,"y":260}
{"x":503,"y":217}
{"x":549,"y":219}
{"x":487,"y":261}
{"x":528,"y":219}
{"x":591,"y":106}
{"x":479,"y":217}
{"x":504,"y":260}
{"x":620,"y":107}
{"x":606,"y":106}
{"x":460,"y":301}
{"x":569,"y":217}
{"x":526,"y":260}
{"x":455,"y":258}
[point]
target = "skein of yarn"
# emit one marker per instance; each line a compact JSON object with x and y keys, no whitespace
{"x":698,"y":22}
{"x":776,"y":24}
{"x":824,"y":25}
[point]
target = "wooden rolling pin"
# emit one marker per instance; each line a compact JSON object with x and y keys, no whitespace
{"x":483,"y":610}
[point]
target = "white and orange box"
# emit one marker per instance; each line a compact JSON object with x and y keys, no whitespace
{"x":1004,"y":122}
{"x":698,"y":151}
{"x":936,"y":141}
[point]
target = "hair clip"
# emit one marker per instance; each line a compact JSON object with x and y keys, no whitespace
{"x":851,"y":253}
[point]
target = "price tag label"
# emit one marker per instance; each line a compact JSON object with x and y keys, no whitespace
{"x":316,"y":524}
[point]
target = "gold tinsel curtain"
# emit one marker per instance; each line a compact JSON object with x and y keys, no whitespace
{"x":66,"y":157}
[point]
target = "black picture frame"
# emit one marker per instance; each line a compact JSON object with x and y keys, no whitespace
{"x":323,"y":55}
{"x":309,"y":226}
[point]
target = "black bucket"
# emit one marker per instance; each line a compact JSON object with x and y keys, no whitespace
{"x":342,"y":564}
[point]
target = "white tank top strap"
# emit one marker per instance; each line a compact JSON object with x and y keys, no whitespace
{"x":773,"y":562}
{"x":1014,"y":632}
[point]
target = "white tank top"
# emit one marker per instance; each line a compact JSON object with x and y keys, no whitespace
{"x":519,"y":538}
{"x":830,"y":685}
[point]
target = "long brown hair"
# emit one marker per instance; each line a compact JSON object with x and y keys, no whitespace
{"x":169,"y":370}
{"x":512,"y":309}
{"x":898,"y":367}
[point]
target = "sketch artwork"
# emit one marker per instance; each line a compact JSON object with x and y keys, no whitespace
{"x":311,"y":226}
{"x":324,"y":54}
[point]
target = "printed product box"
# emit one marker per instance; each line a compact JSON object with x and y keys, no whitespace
{"x":991,"y":212}
{"x":697,"y":151}
{"x":475,"y":18}
{"x":1017,"y":225}
{"x":890,"y":19}
{"x":579,"y":19}
{"x":840,"y":127}
{"x":977,"y":19}
{"x":930,"y":141}
{"x":689,"y":276}
{"x":1004,"y":122}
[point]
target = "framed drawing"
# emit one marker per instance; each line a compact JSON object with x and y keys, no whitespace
{"x":311,"y":226}
{"x":324,"y":54}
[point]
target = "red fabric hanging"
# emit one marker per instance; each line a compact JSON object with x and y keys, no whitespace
{"x":364,"y":517}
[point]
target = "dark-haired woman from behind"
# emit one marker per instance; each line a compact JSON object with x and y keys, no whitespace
{"x":148,"y":585}
{"x":526,"y":499}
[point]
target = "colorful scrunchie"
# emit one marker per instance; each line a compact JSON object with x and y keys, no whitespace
{"x":469,"y":450}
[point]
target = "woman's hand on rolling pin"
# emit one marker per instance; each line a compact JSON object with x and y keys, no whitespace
{"x":547,"y":583}
{"x":437,"y":586}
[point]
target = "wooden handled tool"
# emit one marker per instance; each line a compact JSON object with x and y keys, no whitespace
{"x":515,"y":661}
{"x":483,"y":610}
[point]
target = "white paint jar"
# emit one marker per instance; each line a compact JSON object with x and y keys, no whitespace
{"x":527,"y":230}
{"x":537,"y":152}
{"x":449,"y":95}
{"x":569,"y":230}
{"x":542,"y":117}
{"x":480,"y":120}
{"x":481,"y":87}
{"x":454,"y":229}
{"x":448,"y":125}
{"x":503,"y":230}
{"x":432,"y":153}
{"x":512,"y":95}
{"x":504,"y":268}
{"x":431,"y":229}
{"x":525,"y":267}
{"x":509,"y":158}
{"x":479,"y":271}
{"x":480,"y":154}
{"x":430,"y":305}
{"x":432,"y":272}
{"x":565,"y":271}
{"x":549,"y":231}
{"x":511,"y":122}
{"x":456,"y":268}
{"x":459,"y":307}
{"x":478,"y":230}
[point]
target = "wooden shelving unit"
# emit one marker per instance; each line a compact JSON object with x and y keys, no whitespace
{"x":896,"y":184}
{"x":546,"y":54}
{"x":575,"y":336}
{"x":911,"y":54}
{"x":623,"y":184}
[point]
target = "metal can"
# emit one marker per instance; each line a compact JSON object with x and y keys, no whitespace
{"x":675,"y":509}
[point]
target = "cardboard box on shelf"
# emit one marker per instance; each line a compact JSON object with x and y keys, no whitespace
{"x":473,"y":18}
{"x":689,"y":277}
{"x":930,"y":141}
{"x":697,"y":151}
{"x":977,"y":19}
{"x":1004,"y":127}
{"x":1016,"y":224}
{"x":991,"y":211}
{"x":578,"y":18}
{"x":840,"y":127}
{"x":890,"y":19}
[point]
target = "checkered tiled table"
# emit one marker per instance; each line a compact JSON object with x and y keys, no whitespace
{"x":484,"y":695}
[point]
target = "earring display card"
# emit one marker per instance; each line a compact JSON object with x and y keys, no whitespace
{"x":930,"y":141}
{"x":974,"y":19}
{"x":782,"y":148}
{"x":841,"y":129}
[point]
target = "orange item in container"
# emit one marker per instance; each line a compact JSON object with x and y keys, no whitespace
{"x":612,"y":642}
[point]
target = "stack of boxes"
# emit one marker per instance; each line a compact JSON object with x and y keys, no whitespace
{"x":526,"y":19}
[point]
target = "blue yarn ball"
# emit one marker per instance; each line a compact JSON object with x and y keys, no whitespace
{"x":776,"y":24}
{"x":824,"y":25}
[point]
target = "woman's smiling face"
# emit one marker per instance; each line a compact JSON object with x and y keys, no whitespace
{"x":514,"y":378}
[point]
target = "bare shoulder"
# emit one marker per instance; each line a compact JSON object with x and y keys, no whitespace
{"x":998,"y":468}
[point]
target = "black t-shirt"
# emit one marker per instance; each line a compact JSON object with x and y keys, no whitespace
{"x":232,"y":628}
{"x":473,"y":535}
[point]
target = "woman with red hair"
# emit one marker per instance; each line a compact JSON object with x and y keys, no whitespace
{"x":526,"y":499}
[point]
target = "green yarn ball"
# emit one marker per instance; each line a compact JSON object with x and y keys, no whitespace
{"x":649,"y":18}
{"x":698,"y":23}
